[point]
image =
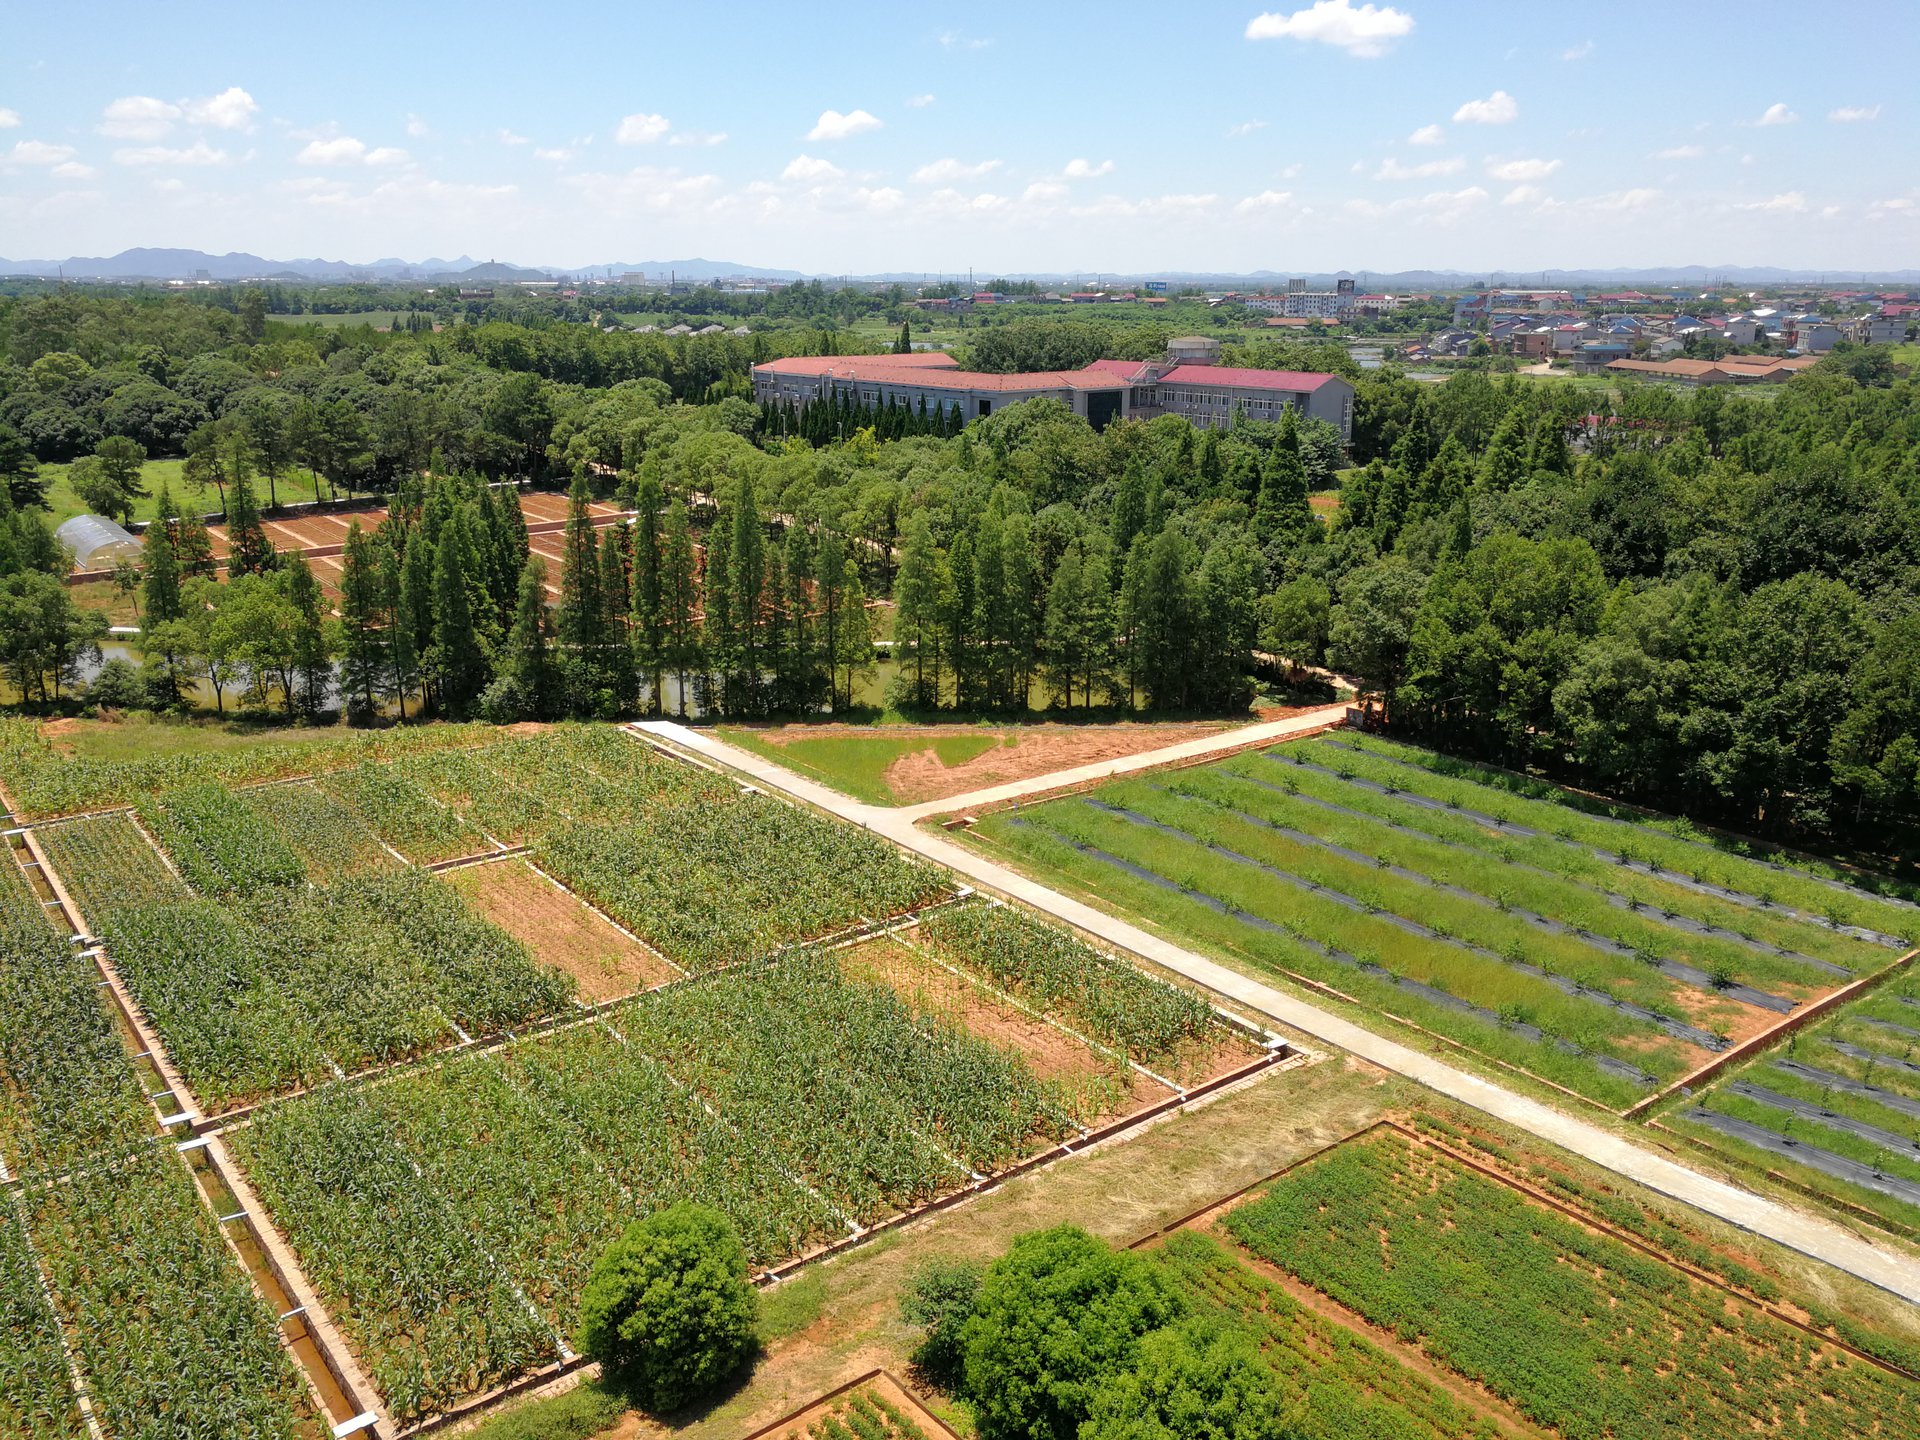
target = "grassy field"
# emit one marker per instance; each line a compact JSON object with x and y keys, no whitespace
{"x":1604,"y":957}
{"x":857,"y":765}
{"x":378,"y":319}
{"x":294,"y":487}
{"x":1836,"y":1108}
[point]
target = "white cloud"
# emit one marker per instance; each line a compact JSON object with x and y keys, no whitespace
{"x":138,"y":117}
{"x":198,"y":153}
{"x":1444,"y":207}
{"x":1514,"y":170}
{"x":1079,"y":169}
{"x":38,"y":152}
{"x":1777,"y":114}
{"x":172,"y":185}
{"x":72,"y":170}
{"x":1392,"y":169}
{"x":1681,"y":152}
{"x":507,"y":137}
{"x":1852,"y":114}
{"x":1427,"y":135}
{"x":417,"y":128}
{"x":1523,"y":195}
{"x":949,"y":171}
{"x":1363,"y":31}
{"x":880,"y":200}
{"x":1265,"y":200}
{"x":1636,"y":199}
{"x":1497,"y":109}
{"x":345,"y":150}
{"x":232,"y":109}
{"x":698,"y":137}
{"x":1788,"y":202}
{"x":1578,"y":52}
{"x":560,"y":153}
{"x":641,"y":129}
{"x":9,"y":119}
{"x":954,"y":40}
{"x":809,"y":167}
{"x":832,"y":125}
{"x":1044,"y":190}
{"x":1245,"y":127}
{"x":919,"y":102}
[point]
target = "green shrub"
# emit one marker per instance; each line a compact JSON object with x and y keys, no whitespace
{"x":1059,"y":1316}
{"x":941,"y":1302}
{"x":668,"y":1310}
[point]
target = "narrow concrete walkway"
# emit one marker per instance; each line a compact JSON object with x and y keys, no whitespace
{"x":1239,"y":738}
{"x":1878,"y":1265}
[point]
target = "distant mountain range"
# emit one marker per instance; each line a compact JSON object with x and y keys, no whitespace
{"x":163,"y":264}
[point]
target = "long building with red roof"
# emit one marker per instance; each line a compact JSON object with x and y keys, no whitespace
{"x":1186,"y":382}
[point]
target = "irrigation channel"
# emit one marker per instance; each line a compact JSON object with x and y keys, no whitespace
{"x":337,"y":1382}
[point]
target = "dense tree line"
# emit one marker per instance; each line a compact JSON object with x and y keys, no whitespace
{"x":1704,"y":600}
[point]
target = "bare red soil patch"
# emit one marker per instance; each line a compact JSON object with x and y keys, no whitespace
{"x":1102,"y":1087}
{"x":560,"y":929}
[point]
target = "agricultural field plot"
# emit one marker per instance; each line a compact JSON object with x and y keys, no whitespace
{"x":1836,"y":1109}
{"x":448,"y":1214}
{"x":1581,"y":1331}
{"x":875,"y":1408}
{"x":1455,"y":907}
{"x":104,"y":1243}
{"x":561,"y":930}
{"x":47,"y":775}
{"x":1332,"y":1378}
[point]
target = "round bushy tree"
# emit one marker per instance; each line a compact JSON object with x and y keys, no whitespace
{"x":1058,"y":1317}
{"x":1197,"y":1380}
{"x":668,"y":1310}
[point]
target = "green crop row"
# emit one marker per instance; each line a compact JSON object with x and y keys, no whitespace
{"x":1581,"y":1333}
{"x":448,"y":1216}
{"x":173,"y":1340}
{"x":1421,"y":772}
{"x":1502,"y":994}
{"x":45,"y":781}
{"x":1575,"y":862}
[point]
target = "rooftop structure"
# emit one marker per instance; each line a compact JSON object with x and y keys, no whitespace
{"x":1187,"y":382}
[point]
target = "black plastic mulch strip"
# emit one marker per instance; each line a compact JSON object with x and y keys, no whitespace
{"x":1871,"y":1057}
{"x":1433,"y":993}
{"x":1820,"y":1115}
{"x":1847,"y":1085}
{"x":1651,"y":913}
{"x":1825,"y":1161}
{"x":1845,"y":887}
{"x":1679,"y":1029}
{"x":1673,"y":969}
{"x":1645,"y":867}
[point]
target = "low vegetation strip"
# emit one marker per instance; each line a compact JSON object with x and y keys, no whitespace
{"x":45,"y":781}
{"x":1370,"y":907}
{"x":36,"y":1393}
{"x":1768,"y":1138}
{"x":1845,"y":882}
{"x":1802,"y":895}
{"x":1581,"y":1332}
{"x":222,"y":846}
{"x":1517,"y":872}
{"x":1384,"y":864}
{"x":1839,"y":1104}
{"x":1666,"y":895}
{"x":1276,"y":943}
{"x":173,"y":1340}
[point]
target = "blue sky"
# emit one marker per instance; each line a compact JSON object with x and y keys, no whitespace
{"x":854,"y":137}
